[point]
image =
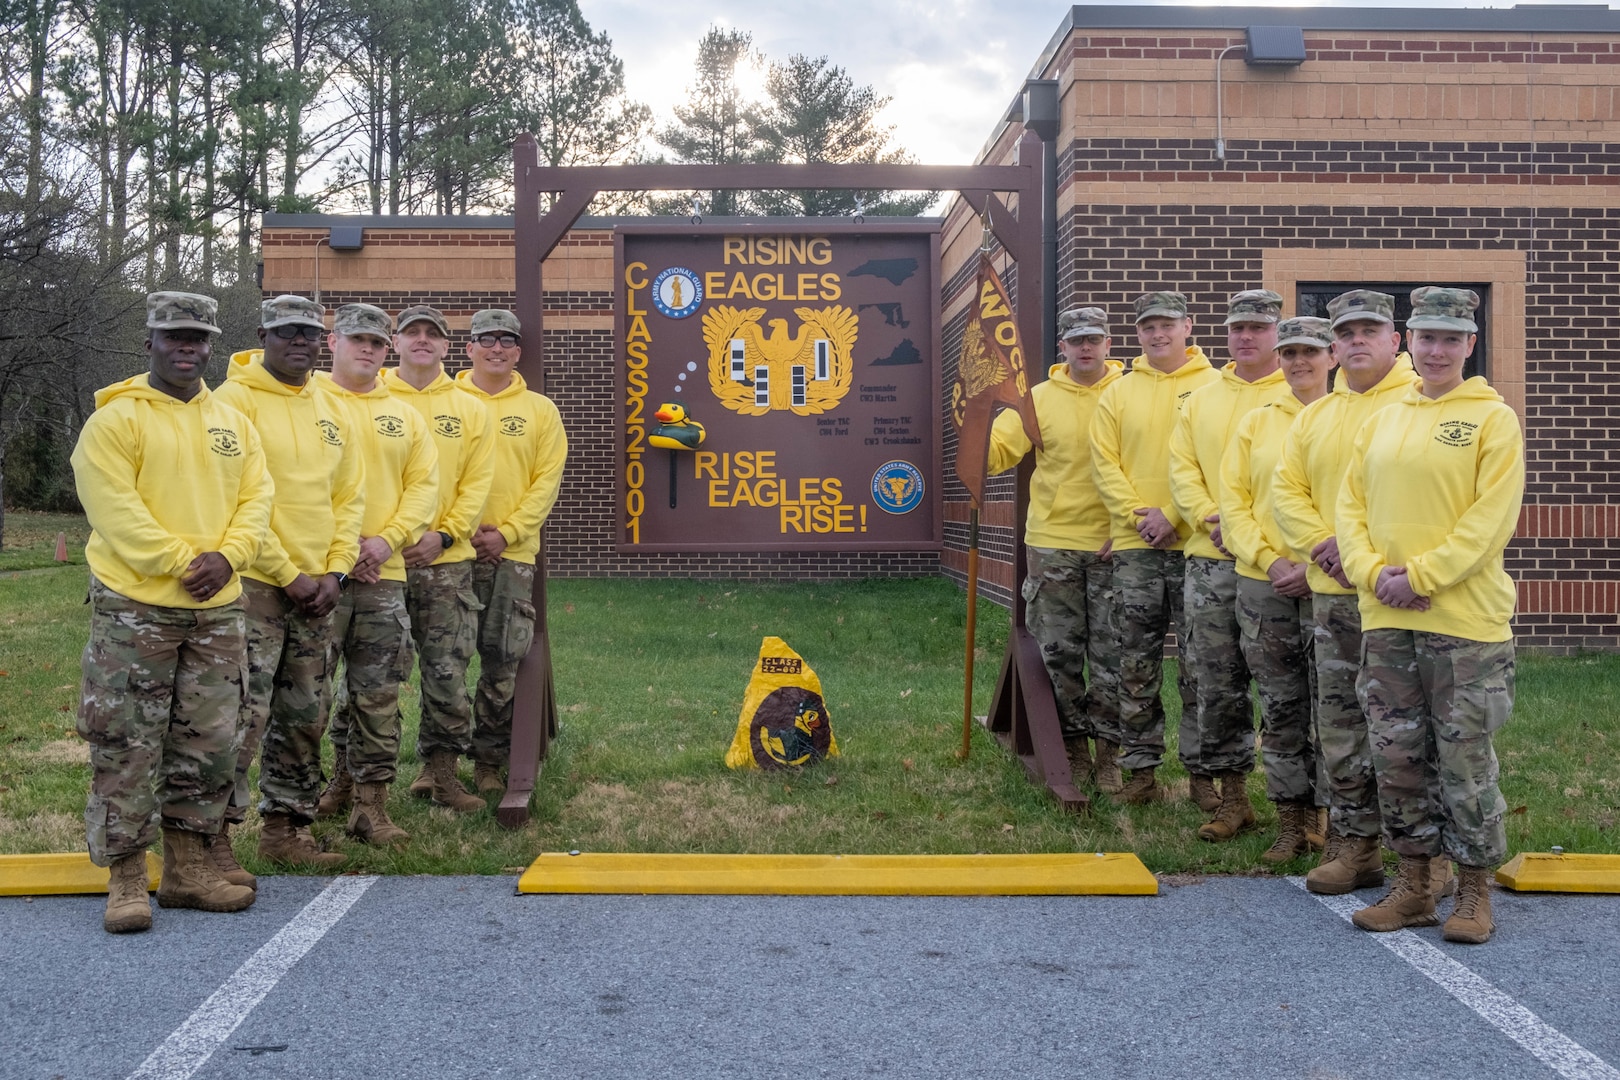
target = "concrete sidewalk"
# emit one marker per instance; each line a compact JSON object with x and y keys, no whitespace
{"x":459,"y":977}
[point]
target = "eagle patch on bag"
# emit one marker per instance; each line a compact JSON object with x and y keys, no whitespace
{"x":784,"y":722}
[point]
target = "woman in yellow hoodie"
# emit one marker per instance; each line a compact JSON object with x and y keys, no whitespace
{"x":1428,"y":505}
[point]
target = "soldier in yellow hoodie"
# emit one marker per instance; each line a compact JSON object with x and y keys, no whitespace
{"x":1070,"y":580}
{"x":1273,"y":597}
{"x":1130,"y":460}
{"x":174,"y":484}
{"x":1373,"y":374}
{"x":372,"y":626}
{"x":530,"y":451}
{"x":1428,"y":505}
{"x":291,"y":591}
{"x":1214,"y":643}
{"x":438,"y":568}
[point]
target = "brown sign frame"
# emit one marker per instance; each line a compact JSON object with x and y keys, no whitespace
{"x":934,"y":497}
{"x":1023,"y":713}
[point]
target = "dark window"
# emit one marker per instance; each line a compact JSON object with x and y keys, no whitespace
{"x":1311,"y":298}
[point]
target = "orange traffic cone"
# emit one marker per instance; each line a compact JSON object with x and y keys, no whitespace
{"x":61,"y":547}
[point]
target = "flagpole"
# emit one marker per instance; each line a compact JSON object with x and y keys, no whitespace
{"x":972,"y":618}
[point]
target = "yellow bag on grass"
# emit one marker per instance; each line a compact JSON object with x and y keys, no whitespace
{"x":784,"y":722}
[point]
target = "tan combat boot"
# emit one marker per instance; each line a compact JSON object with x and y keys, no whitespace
{"x":220,"y":854}
{"x":422,"y":786}
{"x":1235,"y":813}
{"x":1315,"y":822}
{"x":447,"y":789}
{"x":1470,"y":921}
{"x":1109,"y":780}
{"x":1079,"y":751}
{"x":368,"y":821}
{"x":1202,"y":790}
{"x":1291,"y":839}
{"x":190,"y":880}
{"x":1407,"y":903}
{"x":1442,"y":882}
{"x":129,"y":910}
{"x":1141,"y":788}
{"x":1357,"y":863}
{"x":285,"y":841}
{"x":339,"y":793}
{"x":487,"y":779}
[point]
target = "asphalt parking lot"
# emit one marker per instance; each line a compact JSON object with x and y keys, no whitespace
{"x":453,"y":977}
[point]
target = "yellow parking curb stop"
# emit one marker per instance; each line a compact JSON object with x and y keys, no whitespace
{"x":61,"y":874}
{"x":1534,"y":871}
{"x":1100,"y":874}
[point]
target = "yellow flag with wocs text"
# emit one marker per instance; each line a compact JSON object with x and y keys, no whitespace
{"x":784,"y":722}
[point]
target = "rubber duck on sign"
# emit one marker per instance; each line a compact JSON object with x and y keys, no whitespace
{"x":675,"y":432}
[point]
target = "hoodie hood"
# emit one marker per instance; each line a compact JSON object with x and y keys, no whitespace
{"x":517,"y":386}
{"x":323,"y":380}
{"x":1475,"y":389}
{"x":1058,"y":375}
{"x":138,"y":388}
{"x":395,"y":383}
{"x":1196,"y":362}
{"x":247,"y":367}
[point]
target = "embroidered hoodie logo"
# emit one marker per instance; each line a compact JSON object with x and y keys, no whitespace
{"x":329,"y":433}
{"x":448,"y":426}
{"x":1456,"y":433}
{"x":514,"y":425}
{"x":224,"y":442}
{"x":392,"y":426}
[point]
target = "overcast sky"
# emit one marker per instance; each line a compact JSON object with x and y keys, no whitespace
{"x":950,"y":66}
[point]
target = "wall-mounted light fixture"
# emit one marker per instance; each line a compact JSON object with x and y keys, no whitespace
{"x":1264,"y":46}
{"x":338,"y":238}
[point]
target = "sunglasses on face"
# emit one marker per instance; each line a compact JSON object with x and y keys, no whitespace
{"x":294,"y":331}
{"x":489,"y":341}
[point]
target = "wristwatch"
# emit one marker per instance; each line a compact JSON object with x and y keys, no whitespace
{"x":449,"y":541}
{"x":342,"y":578}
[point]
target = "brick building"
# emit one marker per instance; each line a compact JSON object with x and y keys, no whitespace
{"x":1474,"y":147}
{"x":1411,"y":147}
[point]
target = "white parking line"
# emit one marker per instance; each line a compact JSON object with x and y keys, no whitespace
{"x":1552,"y":1047}
{"x":195,"y":1041}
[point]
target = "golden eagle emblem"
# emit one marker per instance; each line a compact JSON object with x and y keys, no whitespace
{"x":753,"y":373}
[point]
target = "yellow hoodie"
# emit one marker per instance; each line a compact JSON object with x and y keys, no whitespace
{"x":1065,"y":510}
{"x":1130,"y":443}
{"x":530,"y":451}
{"x":401,"y":467}
{"x":1247,"y":471}
{"x":163,"y":481}
{"x":1314,"y":456}
{"x":313,"y":459}
{"x":1208,"y":421}
{"x":461,"y":433}
{"x":1434,"y":485}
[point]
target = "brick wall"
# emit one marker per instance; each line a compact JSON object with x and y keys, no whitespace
{"x":1431,"y":159}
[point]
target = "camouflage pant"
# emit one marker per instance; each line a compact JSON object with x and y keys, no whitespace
{"x":1278,"y":644}
{"x":444,"y":622}
{"x":371,"y":631}
{"x":1147,"y":599}
{"x":505,"y":631}
{"x":288,"y":656}
{"x":159,"y":706}
{"x":1341,"y":727}
{"x":1069,"y":598}
{"x":1220,"y":674}
{"x":1432,"y":703}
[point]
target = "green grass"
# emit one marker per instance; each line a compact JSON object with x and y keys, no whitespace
{"x":30,"y":539}
{"x":650,"y":676}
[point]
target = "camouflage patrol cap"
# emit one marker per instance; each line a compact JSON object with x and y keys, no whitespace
{"x":1170,"y":305}
{"x":1254,"y":305}
{"x":355,"y":319}
{"x":1362,"y":304}
{"x":1082,"y":322}
{"x":1305,"y":330}
{"x":1437,"y":308}
{"x":181,"y":311}
{"x":496,"y":321}
{"x":421,"y":313}
{"x":290,"y":310}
